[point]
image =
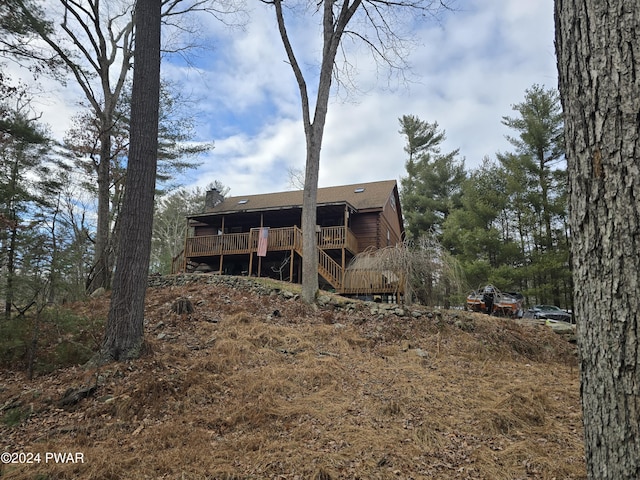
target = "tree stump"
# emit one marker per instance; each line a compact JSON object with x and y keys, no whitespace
{"x":182,"y":305}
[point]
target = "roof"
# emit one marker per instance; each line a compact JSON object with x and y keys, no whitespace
{"x":360,"y":196}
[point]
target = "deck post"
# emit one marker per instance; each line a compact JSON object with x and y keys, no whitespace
{"x":184,"y":260}
{"x":258,"y":241}
{"x":222,"y":249}
{"x":345,"y":235}
{"x":291,"y":265}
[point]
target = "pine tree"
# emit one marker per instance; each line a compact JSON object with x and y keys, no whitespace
{"x":431,"y":189}
{"x":596,"y":45}
{"x":124,"y":331}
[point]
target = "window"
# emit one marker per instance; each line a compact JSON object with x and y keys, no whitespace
{"x":359,"y":190}
{"x":242,"y":202}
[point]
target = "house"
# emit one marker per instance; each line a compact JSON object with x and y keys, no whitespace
{"x":261,"y":235}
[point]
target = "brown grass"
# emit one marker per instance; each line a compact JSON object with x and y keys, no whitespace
{"x":311,"y":394}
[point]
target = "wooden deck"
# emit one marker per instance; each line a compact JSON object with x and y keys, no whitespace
{"x":345,"y":281}
{"x":287,"y":238}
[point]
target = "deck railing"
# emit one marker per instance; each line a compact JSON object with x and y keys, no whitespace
{"x":359,"y":281}
{"x":330,"y":269}
{"x":362,"y":281}
{"x":177,"y":262}
{"x":279,"y":238}
{"x":331,"y":237}
{"x":349,"y":281}
{"x":209,"y":245}
{"x":285,"y":238}
{"x":352,"y":242}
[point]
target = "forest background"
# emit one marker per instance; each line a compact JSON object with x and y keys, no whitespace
{"x":503,"y":222}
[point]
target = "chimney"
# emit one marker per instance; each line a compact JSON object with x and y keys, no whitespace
{"x":213,"y":198}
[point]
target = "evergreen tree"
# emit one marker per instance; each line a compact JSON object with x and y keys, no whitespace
{"x":477,"y":233}
{"x":511,"y":227}
{"x":94,"y":41}
{"x":26,"y":188}
{"x":431,"y":189}
{"x":537,"y":192}
{"x":176,"y":149}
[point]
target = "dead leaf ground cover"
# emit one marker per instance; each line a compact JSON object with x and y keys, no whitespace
{"x":255,"y":386}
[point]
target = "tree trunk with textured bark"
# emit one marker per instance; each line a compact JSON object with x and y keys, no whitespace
{"x":599,"y":73}
{"x":124,"y":331}
{"x":100,"y":275}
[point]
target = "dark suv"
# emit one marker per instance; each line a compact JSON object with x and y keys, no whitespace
{"x":549,"y":312}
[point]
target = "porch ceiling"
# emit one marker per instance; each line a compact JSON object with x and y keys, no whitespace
{"x":281,"y":216}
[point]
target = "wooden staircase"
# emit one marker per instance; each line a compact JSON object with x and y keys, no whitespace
{"x":328,"y":268}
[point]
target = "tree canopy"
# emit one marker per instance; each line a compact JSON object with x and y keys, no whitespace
{"x":505,"y":221}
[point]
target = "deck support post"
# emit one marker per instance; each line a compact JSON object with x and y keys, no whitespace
{"x":184,"y":260}
{"x":291,"y":266}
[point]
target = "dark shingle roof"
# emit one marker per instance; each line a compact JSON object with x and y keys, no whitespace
{"x":374,"y":195}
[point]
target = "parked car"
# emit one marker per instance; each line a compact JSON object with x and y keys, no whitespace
{"x":549,"y":312}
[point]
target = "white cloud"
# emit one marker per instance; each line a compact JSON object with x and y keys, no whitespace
{"x":56,"y":104}
{"x":255,"y":164}
{"x":468,"y":71}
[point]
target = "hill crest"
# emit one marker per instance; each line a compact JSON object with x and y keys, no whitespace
{"x":255,"y":384}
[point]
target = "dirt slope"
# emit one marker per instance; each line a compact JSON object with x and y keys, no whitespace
{"x":255,"y":386}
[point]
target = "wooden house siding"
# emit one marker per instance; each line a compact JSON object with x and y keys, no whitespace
{"x":204,"y":230}
{"x":390,"y":223}
{"x":379,"y":228}
{"x":365,"y":228}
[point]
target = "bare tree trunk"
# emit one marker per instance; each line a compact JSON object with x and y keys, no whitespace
{"x":599,"y":72}
{"x":106,"y":233}
{"x":124,"y":331}
{"x":333,"y":29}
{"x":101,"y":274}
{"x":9,"y":293}
{"x":384,"y":42}
{"x":310,"y":284}
{"x":13,"y":236}
{"x":100,"y":52}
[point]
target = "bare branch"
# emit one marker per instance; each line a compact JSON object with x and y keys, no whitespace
{"x":76,"y":41}
{"x":293,"y":62}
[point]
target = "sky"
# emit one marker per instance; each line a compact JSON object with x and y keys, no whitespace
{"x":467,"y":70}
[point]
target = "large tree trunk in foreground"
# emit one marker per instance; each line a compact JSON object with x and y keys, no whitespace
{"x":124,"y":332}
{"x":599,"y":69}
